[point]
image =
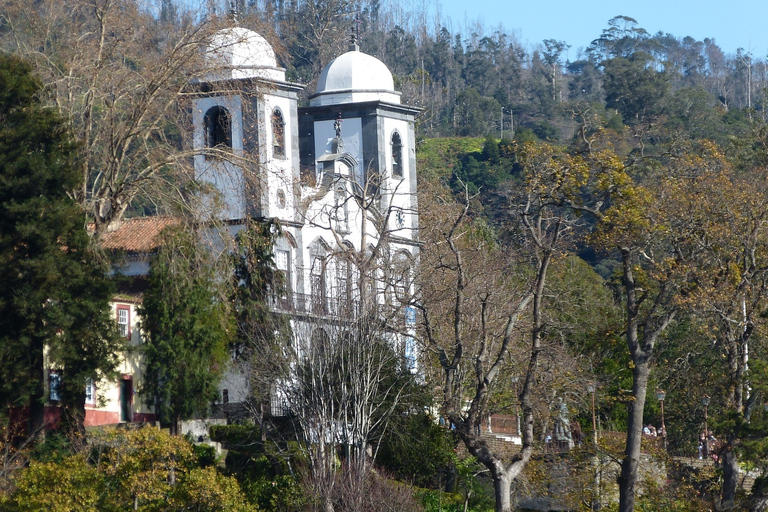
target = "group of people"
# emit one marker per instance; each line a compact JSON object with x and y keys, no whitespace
{"x":708,"y":446}
{"x":650,"y":431}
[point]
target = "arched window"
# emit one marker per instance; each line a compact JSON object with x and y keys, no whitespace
{"x":317,"y":285}
{"x":341,"y":208}
{"x":402,"y":276}
{"x":278,"y":133}
{"x":218,"y":128}
{"x":346,"y":280}
{"x":397,"y":155}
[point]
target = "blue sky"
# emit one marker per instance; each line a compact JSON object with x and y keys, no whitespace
{"x":735,"y":24}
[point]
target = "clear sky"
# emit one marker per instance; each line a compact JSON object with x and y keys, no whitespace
{"x":734,"y":24}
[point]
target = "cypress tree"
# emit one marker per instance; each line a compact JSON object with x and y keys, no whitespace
{"x":54,"y":295}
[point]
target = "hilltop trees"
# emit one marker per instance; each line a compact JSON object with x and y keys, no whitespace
{"x":55,"y":293}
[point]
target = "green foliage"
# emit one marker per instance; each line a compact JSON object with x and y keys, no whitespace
{"x":524,"y":135}
{"x":441,"y":501}
{"x":417,"y":450}
{"x":491,"y":153}
{"x":634,"y":88}
{"x":477,"y":492}
{"x":71,"y":485}
{"x":545,"y":130}
{"x":483,"y":171}
{"x":277,"y":493}
{"x":437,"y":157}
{"x":263,"y":472}
{"x":236,"y":436}
{"x":206,"y":490}
{"x":472,"y":113}
{"x":144,"y":469}
{"x":55,"y":293}
{"x":261,"y":332}
{"x":187,"y":327}
{"x":206,"y":455}
{"x":53,"y":448}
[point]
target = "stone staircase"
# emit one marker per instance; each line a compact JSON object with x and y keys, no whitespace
{"x":746,"y":478}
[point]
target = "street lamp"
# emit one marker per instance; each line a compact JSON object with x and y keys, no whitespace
{"x":591,"y":389}
{"x":660,"y":395}
{"x":515,"y":380}
{"x":705,"y":402}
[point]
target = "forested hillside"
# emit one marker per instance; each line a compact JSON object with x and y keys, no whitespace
{"x":482,"y":80}
{"x":648,"y":89}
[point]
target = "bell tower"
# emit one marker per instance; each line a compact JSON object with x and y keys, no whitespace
{"x":245,"y":135}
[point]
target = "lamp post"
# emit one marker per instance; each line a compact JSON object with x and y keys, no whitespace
{"x":705,"y":402}
{"x":660,"y":395}
{"x":515,"y":380}
{"x":591,"y":389}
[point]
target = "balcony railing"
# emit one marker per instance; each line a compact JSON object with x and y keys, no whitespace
{"x":330,"y":307}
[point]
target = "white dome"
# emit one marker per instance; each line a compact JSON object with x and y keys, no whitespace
{"x":241,"y":53}
{"x":355,"y":77}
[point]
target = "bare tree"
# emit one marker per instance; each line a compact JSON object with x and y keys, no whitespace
{"x":339,"y":362}
{"x":346,"y":382}
{"x":120,"y":76}
{"x":477,"y":297}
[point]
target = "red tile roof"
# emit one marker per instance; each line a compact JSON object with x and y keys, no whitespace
{"x":137,"y":235}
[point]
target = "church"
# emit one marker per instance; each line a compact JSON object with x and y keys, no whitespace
{"x":338,"y":175}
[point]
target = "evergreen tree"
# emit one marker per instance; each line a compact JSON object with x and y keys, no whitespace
{"x":187,"y":329}
{"x":260,"y":330}
{"x":54,"y":294}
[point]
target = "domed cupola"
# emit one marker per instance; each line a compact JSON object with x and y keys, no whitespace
{"x":355,"y":77}
{"x":237,"y":52}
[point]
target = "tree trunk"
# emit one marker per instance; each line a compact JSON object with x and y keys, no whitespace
{"x":37,"y":398}
{"x":730,"y":478}
{"x":502,"y":490}
{"x":629,"y":467}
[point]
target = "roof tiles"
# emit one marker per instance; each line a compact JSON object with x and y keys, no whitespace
{"x":137,"y":235}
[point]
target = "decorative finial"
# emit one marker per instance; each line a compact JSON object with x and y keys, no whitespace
{"x":353,"y":47}
{"x":233,"y":14}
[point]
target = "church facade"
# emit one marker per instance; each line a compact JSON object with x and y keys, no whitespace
{"x":338,"y":175}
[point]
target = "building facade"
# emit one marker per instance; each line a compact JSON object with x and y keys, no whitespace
{"x":339,"y":175}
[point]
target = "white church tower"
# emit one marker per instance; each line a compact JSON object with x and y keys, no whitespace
{"x":338,"y":175}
